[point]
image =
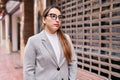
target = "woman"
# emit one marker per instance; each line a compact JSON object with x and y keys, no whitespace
{"x":49,"y":55}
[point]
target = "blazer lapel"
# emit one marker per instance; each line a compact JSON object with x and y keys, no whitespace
{"x":48,"y":47}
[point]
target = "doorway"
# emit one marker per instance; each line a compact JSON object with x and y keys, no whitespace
{"x":18,"y":35}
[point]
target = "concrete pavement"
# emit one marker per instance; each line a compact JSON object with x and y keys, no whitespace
{"x":10,"y":66}
{"x":11,"y":69}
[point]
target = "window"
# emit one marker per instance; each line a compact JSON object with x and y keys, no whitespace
{"x":63,"y":7}
{"x":63,"y":27}
{"x":104,"y":52}
{"x":87,"y":37}
{"x":115,"y":22}
{"x":105,"y":67}
{"x":68,"y":16}
{"x":94,"y":71}
{"x":79,"y":25}
{"x":116,"y":46}
{"x":87,"y":31}
{"x":80,"y":1}
{"x":116,"y":38}
{"x":73,"y":26}
{"x":87,"y":0}
{"x":74,"y":3}
{"x":79,"y":19}
{"x":116,"y":5}
{"x":80,"y":43}
{"x":68,"y":11}
{"x":87,"y":12}
{"x":95,"y":24}
{"x":115,"y":77}
{"x":67,"y":21}
{"x":115,"y":29}
{"x":95,"y":64}
{"x":73,"y":31}
{"x":105,"y":15}
{"x":86,"y":18}
{"x":95,"y":37}
{"x":80,"y":13}
{"x":105,"y":1}
{"x":115,"y":70}
{"x":86,"y":56}
{"x":79,"y":60}
{"x":63,"y":2}
{"x":95,"y":57}
{"x":106,"y":8}
{"x":79,"y":66}
{"x":79,"y":31}
{"x":86,"y":68}
{"x":95,"y":51}
{"x":74,"y":42}
{"x":96,"y":44}
{"x":80,"y":37}
{"x":95,"y":3}
{"x":117,"y":62}
{"x":79,"y":48}
{"x":95,"y":16}
{"x":87,"y":43}
{"x":68,"y":1}
{"x":104,"y":60}
{"x":73,"y":20}
{"x":105,"y":30}
{"x":95,"y":30}
{"x":74,"y":14}
{"x":86,"y":49}
{"x":115,"y":0}
{"x":80,"y":7}
{"x":63,"y":22}
{"x":105,"y":45}
{"x":105,"y":37}
{"x":96,"y":10}
{"x":87,"y":5}
{"x":86,"y":62}
{"x":74,"y":37}
{"x":116,"y":54}
{"x":116,"y":13}
{"x":105,"y":23}
{"x":104,"y":74}
{"x":86,"y":24}
{"x":73,"y":9}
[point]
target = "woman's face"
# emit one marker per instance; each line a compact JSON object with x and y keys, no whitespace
{"x":53,"y":20}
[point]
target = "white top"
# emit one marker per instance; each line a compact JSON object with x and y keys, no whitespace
{"x":53,"y":38}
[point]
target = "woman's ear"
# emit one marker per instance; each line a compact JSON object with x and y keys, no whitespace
{"x":43,"y":20}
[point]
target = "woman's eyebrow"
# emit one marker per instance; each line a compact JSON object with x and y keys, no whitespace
{"x":53,"y":13}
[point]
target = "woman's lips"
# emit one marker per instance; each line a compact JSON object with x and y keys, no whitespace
{"x":57,"y":25}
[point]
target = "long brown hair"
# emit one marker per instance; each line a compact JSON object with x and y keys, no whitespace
{"x":63,"y":40}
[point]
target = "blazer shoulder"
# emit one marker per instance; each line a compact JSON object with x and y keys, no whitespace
{"x":35,"y":37}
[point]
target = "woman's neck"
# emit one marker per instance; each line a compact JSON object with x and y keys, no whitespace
{"x":50,"y":32}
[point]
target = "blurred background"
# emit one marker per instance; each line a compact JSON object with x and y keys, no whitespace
{"x":93,"y":25}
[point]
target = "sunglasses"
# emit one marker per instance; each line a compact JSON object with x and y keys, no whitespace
{"x":54,"y":16}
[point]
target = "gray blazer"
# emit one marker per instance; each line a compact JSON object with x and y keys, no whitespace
{"x":40,"y":62}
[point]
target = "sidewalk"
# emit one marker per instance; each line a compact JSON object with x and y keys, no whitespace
{"x":84,"y":75}
{"x":10,"y":66}
{"x":11,"y":69}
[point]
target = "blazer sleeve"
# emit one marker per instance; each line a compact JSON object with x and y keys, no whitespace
{"x":72,"y":66}
{"x":29,"y":61}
